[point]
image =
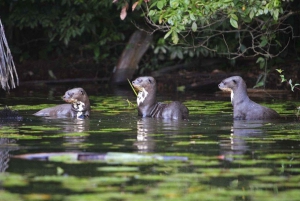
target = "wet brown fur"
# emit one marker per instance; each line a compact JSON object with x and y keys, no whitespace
{"x":72,"y":97}
{"x":149,"y":107}
{"x":243,"y":107}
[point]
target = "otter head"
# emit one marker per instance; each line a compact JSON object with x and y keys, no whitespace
{"x":79,"y":100}
{"x":74,"y":95}
{"x":232,"y":84}
{"x":145,"y":86}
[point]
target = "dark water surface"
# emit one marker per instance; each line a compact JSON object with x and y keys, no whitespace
{"x":117,"y":156}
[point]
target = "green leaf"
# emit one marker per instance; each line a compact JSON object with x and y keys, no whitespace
{"x":194,"y":27}
{"x":282,"y":78}
{"x":279,"y":70}
{"x":233,"y":23}
{"x":168,"y":34}
{"x":278,"y":43}
{"x":181,"y":88}
{"x":275,"y":14}
{"x":259,"y":84}
{"x":179,"y":54}
{"x":160,"y":5}
{"x":251,"y":15}
{"x":263,"y":43}
{"x":59,"y":171}
{"x":233,"y":16}
{"x":294,"y":86}
{"x":174,"y":3}
{"x":276,"y":3}
{"x":260,"y":60}
{"x":175,"y":38}
{"x":151,"y":12}
{"x":96,"y":52}
{"x":192,"y":16}
{"x":243,"y":48}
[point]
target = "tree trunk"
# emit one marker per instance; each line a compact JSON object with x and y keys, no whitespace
{"x":131,"y":56}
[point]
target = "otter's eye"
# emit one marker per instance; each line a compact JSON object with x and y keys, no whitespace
{"x":150,"y":80}
{"x":81,"y":92}
{"x":234,"y":81}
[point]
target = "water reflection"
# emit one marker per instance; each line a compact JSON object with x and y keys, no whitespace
{"x":241,"y":131}
{"x":147,"y":128}
{"x":75,"y":126}
{"x":69,"y":124}
{"x":6,"y":145}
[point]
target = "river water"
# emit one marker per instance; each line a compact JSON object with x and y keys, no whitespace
{"x":116,"y":155}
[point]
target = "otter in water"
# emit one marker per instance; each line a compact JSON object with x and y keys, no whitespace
{"x":243,"y":107}
{"x":79,"y":105}
{"x":147,"y":105}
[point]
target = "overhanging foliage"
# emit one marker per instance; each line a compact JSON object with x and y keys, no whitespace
{"x":232,"y":28}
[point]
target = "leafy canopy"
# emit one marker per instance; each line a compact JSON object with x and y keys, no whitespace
{"x":233,"y":28}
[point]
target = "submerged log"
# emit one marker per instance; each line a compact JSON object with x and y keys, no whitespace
{"x":109,"y":157}
{"x":131,"y":56}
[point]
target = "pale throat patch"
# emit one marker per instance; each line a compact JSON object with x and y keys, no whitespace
{"x":79,"y":106}
{"x":232,"y":95}
{"x":141,"y":96}
{"x":231,"y":92}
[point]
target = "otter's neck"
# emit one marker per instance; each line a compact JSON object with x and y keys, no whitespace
{"x":79,"y":108}
{"x":146,"y":100}
{"x":239,"y":95}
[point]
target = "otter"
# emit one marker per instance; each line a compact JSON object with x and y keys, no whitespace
{"x":79,"y":106}
{"x":243,"y":107}
{"x":147,"y":105}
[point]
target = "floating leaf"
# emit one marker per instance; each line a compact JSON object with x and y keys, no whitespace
{"x":118,"y":169}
